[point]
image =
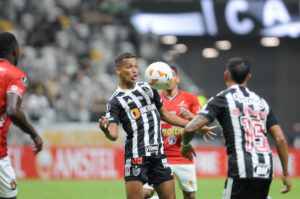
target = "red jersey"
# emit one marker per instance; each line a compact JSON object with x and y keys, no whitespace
{"x":172,"y":134}
{"x":13,"y":80}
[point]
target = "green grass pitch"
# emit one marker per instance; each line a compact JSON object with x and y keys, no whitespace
{"x":114,"y":189}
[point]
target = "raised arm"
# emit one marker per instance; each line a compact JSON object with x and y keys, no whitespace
{"x":111,"y":130}
{"x":17,"y":116}
{"x":282,"y":148}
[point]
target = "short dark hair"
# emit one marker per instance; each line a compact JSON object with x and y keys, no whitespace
{"x":119,"y":58}
{"x":238,"y":68}
{"x":173,"y":68}
{"x":8,"y":43}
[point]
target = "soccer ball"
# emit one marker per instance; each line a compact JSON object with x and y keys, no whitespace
{"x":159,"y":75}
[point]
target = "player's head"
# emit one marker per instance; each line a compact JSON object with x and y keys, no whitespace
{"x":9,"y":48}
{"x":237,"y":71}
{"x":175,"y":81}
{"x":126,"y":68}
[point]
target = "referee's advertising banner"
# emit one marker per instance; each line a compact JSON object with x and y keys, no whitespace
{"x":80,"y":162}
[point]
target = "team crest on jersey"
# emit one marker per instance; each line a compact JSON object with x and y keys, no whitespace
{"x":147,"y":91}
{"x":13,"y":185}
{"x":135,"y":113}
{"x":172,"y":139}
{"x":136,"y":171}
{"x":25,"y":80}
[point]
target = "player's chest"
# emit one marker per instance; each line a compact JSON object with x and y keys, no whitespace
{"x":176,"y":105}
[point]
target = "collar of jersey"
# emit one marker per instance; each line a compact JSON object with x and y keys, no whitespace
{"x":127,"y":90}
{"x":171,"y":98}
{"x":237,"y":86}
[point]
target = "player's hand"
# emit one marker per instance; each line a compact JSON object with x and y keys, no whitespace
{"x":205,"y":131}
{"x":187,"y":152}
{"x":287,"y":182}
{"x":38,"y":143}
{"x":186,"y":114}
{"x":103,"y":124}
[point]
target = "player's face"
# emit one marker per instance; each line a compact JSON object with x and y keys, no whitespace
{"x":175,"y":82}
{"x":128,"y":71}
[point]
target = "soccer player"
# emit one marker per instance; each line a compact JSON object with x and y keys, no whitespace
{"x":187,"y":106}
{"x":13,"y":83}
{"x":246,"y":118}
{"x":139,"y":109}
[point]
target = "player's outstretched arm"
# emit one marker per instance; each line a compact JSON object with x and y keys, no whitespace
{"x":198,"y":124}
{"x":17,"y":116}
{"x":111,"y":130}
{"x":283,"y":152}
{"x":171,"y":118}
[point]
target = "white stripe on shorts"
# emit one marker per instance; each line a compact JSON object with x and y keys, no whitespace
{"x":227,"y":190}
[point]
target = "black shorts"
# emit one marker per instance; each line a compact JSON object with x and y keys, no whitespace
{"x":152,"y":169}
{"x":246,"y":188}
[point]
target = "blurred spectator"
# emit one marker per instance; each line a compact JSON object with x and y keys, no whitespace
{"x":68,"y":46}
{"x":296,"y":136}
{"x":37,"y":105}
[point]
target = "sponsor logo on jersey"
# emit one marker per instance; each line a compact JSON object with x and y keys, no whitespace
{"x":181,"y":104}
{"x":165,"y":163}
{"x":25,"y":80}
{"x":108,"y":107}
{"x":152,"y":148}
{"x":109,"y":117}
{"x":135,"y":113}
{"x":127,"y":167}
{"x":173,"y":131}
{"x":172,"y":139}
{"x":262,"y":170}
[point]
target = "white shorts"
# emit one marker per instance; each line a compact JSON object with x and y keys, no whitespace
{"x":8,"y":183}
{"x":186,"y":175}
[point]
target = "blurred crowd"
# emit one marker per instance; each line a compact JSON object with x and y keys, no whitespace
{"x":67,"y":50}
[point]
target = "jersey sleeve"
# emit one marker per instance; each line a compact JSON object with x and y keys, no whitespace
{"x":271,"y":119}
{"x":195,"y":105}
{"x":157,"y":99}
{"x":17,"y":83}
{"x":112,"y":111}
{"x":212,"y":108}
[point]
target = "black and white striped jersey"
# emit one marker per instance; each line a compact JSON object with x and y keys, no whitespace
{"x":245,"y":118}
{"x":137,"y":111}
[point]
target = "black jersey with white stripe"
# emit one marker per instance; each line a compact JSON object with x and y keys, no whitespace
{"x":245,"y":118}
{"x":137,"y":111}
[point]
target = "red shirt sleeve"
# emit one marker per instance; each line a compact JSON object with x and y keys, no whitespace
{"x":17,"y":82}
{"x":195,"y":105}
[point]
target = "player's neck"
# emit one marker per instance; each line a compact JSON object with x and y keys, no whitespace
{"x":126,"y":86}
{"x":170,"y":93}
{"x":232,"y":83}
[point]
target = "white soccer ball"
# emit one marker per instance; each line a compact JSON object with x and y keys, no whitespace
{"x":159,"y":75}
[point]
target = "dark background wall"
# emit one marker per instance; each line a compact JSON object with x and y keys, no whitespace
{"x":275,"y":71}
